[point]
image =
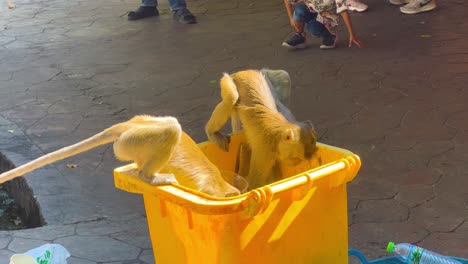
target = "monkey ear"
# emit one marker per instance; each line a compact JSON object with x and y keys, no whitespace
{"x":290,"y":136}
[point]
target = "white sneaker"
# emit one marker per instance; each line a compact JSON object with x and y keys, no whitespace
{"x":399,"y":2}
{"x":355,"y":5}
{"x":418,"y":6}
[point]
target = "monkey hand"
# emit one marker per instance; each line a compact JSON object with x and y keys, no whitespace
{"x":221,"y":140}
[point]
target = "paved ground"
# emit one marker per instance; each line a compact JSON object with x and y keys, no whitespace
{"x":72,"y":68}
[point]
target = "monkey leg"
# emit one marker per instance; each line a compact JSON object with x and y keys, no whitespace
{"x":150,"y":146}
{"x":260,"y":169}
{"x":162,"y":144}
{"x":243,"y":159}
{"x":222,"y":113}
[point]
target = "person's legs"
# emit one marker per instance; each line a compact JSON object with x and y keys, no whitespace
{"x":301,"y":16}
{"x":319,"y":30}
{"x":418,"y":6}
{"x":152,"y":3}
{"x":181,"y":13}
{"x":184,"y":16}
{"x":148,"y":8}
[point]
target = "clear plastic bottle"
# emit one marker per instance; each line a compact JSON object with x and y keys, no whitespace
{"x":412,"y":254}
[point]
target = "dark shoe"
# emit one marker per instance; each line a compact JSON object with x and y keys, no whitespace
{"x":329,"y":42}
{"x":184,"y":16}
{"x":143,"y":12}
{"x":297,"y":41}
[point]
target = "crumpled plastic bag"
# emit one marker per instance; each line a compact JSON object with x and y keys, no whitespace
{"x":45,"y":254}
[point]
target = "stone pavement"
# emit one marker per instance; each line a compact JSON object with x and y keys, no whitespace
{"x":72,"y":68}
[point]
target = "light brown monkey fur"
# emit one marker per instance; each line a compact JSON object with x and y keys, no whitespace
{"x":272,"y":137}
{"x":159,"y":148}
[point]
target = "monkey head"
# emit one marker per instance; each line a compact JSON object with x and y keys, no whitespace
{"x":297,"y":143}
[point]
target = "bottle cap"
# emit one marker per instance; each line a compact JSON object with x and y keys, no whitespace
{"x":390,"y":247}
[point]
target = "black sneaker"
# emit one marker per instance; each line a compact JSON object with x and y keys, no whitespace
{"x":143,"y":12}
{"x":184,"y":16}
{"x":297,"y":41}
{"x":329,"y":42}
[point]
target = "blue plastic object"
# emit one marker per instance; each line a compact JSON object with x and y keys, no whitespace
{"x":389,"y":260}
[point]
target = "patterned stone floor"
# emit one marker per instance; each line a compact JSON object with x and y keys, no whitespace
{"x":71,"y":68}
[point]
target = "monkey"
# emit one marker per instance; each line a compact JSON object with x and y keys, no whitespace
{"x":272,"y":137}
{"x":10,"y":5}
{"x":162,"y":152}
{"x":279,"y":83}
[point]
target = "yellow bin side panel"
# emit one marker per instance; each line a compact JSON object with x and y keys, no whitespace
{"x":305,"y":231}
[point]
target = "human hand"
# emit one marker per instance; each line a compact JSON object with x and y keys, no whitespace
{"x":353,"y":39}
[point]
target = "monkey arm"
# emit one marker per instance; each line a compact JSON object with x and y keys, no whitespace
{"x":219,"y":117}
{"x":260,"y":169}
{"x":243,"y":159}
{"x":222,"y":113}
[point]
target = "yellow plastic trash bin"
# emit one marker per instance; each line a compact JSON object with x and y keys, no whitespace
{"x":301,"y":219}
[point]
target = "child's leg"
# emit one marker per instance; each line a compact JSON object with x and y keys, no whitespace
{"x":319,"y":30}
{"x":301,"y":17}
{"x":316,"y":28}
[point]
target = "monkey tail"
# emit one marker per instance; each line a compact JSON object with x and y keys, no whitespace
{"x":109,"y":135}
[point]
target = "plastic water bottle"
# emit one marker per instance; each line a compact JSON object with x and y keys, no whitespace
{"x":412,"y":254}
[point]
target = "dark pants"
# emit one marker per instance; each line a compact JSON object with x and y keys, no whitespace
{"x":303,"y":14}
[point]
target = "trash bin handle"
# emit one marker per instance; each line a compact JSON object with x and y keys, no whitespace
{"x":307,"y":178}
{"x":259,"y":199}
{"x":250,"y":203}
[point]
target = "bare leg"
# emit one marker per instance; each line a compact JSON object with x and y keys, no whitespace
{"x":299,"y":27}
